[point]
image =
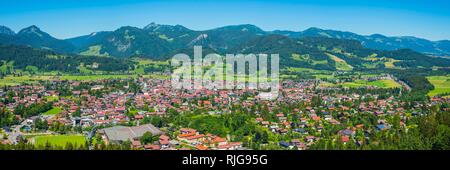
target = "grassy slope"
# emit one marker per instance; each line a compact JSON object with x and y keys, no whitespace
{"x":441,"y":85}
{"x":340,"y":63}
{"x":94,"y":51}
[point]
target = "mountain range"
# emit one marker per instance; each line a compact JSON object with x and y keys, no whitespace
{"x":158,"y":41}
{"x":378,"y":41}
{"x":313,"y":48}
{"x":34,"y":37}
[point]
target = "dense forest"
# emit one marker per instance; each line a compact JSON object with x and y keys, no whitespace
{"x":318,"y":53}
{"x":45,"y":60}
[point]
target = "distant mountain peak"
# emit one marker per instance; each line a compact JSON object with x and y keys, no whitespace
{"x":33,"y":30}
{"x":241,"y":26}
{"x":93,"y":34}
{"x":127,"y":27}
{"x":151,"y":25}
{"x":378,"y":36}
{"x":244,"y":28}
{"x":154,"y":26}
{"x":314,"y":29}
{"x":248,"y":26}
{"x":161,"y":39}
{"x":35,"y":37}
{"x":320,"y":30}
{"x":5,"y":30}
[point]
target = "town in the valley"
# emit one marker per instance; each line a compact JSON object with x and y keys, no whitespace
{"x":148,"y":114}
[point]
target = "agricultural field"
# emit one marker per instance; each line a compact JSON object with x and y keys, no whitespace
{"x":84,"y":70}
{"x":365,"y":83}
{"x":372,"y":64}
{"x":156,"y":76}
{"x":385,"y":84}
{"x":139,"y":70}
{"x":95,"y":77}
{"x":306,"y":58}
{"x":377,"y":83}
{"x":59,"y":140}
{"x":300,"y":70}
{"x":323,"y":76}
{"x":143,"y":61}
{"x":390,"y":63}
{"x":326,"y":84}
{"x":307,"y":70}
{"x":142,"y":64}
{"x":441,"y":85}
{"x":17,"y":80}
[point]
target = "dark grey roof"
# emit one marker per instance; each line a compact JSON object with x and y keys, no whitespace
{"x":123,"y":133}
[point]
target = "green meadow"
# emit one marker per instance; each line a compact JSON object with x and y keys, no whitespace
{"x":95,"y":77}
{"x":441,"y":85}
{"x":377,"y":83}
{"x":17,"y":80}
{"x":340,"y":63}
{"x":59,"y":140}
{"x":54,"y":111}
{"x":365,"y":83}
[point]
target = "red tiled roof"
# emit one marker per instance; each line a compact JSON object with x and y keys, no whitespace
{"x":195,"y":137}
{"x":201,"y":147}
{"x":224,"y":146}
{"x":185,"y":135}
{"x":139,"y":116}
{"x":164,"y":137}
{"x":345,"y":138}
{"x":218,"y":140}
{"x":188,"y":130}
{"x":235,"y":143}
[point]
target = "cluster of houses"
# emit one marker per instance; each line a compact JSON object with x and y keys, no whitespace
{"x":332,"y":111}
{"x":186,"y":139}
{"x":193,"y":138}
{"x":156,"y":97}
{"x":25,"y":95}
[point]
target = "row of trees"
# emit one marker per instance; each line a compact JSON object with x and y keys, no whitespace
{"x":23,"y":145}
{"x":33,"y":109}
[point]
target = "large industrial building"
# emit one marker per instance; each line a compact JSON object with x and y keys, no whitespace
{"x":118,"y":134}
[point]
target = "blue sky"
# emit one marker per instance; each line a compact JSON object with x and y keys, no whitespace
{"x":68,"y":18}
